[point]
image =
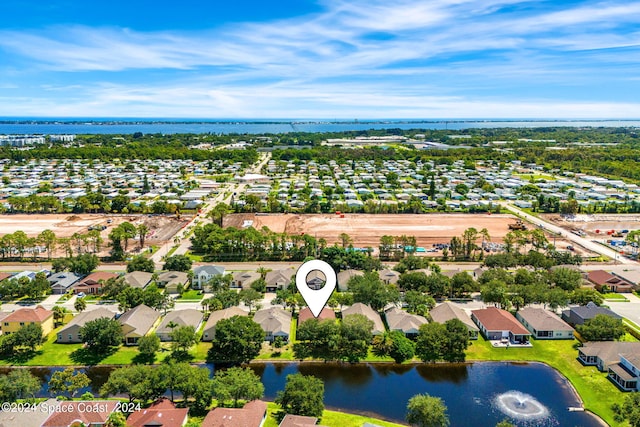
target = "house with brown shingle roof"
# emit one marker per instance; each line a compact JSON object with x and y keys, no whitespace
{"x":448,"y":310}
{"x":137,"y":323}
{"x":306,"y":314}
{"x":39,"y":315}
{"x":498,"y":324}
{"x":389,"y":277}
{"x":209,"y":331}
{"x":4,"y":275}
{"x":400,"y":320}
{"x":185,"y":317}
{"x":290,"y":420}
{"x":171,"y":281}
{"x":70,"y":333}
{"x":604,"y":353}
{"x":601,"y":278}
{"x":344,"y":276}
{"x":76,"y":413}
{"x":244,"y":279}
{"x":544,"y":325}
{"x":138,"y":279}
{"x":92,"y":284}
{"x":162,"y":413}
{"x":369,"y":313}
{"x":253,"y":414}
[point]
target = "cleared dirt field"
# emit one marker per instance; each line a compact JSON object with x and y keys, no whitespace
{"x":366,"y":230}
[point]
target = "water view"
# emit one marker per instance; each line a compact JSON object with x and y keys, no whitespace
{"x":478,"y":394}
{"x":163,"y":126}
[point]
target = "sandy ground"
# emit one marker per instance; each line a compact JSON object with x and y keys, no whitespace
{"x":161,"y":228}
{"x":366,"y":229}
{"x":592,"y":223}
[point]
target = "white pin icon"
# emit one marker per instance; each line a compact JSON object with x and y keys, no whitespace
{"x":316,"y":299}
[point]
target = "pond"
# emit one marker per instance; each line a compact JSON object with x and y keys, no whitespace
{"x":476,"y":394}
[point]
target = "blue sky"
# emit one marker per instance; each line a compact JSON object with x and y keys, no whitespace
{"x":327,"y":59}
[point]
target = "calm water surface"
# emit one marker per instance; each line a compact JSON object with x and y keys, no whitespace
{"x":383,"y":390}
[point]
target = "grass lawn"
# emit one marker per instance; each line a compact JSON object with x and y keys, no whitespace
{"x":190,"y":295}
{"x":597,"y":392}
{"x":331,"y":419}
{"x":612,"y":296}
{"x":195,"y":258}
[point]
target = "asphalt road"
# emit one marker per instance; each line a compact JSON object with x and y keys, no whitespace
{"x":585,"y":243}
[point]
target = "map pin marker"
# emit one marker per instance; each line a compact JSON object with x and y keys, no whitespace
{"x":316,"y":299}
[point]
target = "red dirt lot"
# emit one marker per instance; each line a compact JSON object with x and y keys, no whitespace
{"x":366,"y":229}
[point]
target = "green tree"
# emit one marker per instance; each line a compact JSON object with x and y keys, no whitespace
{"x":148,"y":346}
{"x":629,"y":410}
{"x":183,"y":337}
{"x":141,"y":263}
{"x":237,"y":340}
{"x":68,"y":381}
{"x":369,"y":289}
{"x":178,"y":263}
{"x":28,"y":337}
{"x":418,"y":303}
{"x":394,"y":344}
{"x":584,"y":296}
{"x":427,"y":411}
{"x":58,"y":313}
{"x":116,"y":419}
{"x":101,"y":334}
{"x":431,"y":341}
{"x":138,"y":382}
{"x":236,"y":384}
{"x":250,"y":297}
{"x":566,"y":278}
{"x":80,"y":305}
{"x":601,"y":328}
{"x":355,"y":336}
{"x":302,"y":395}
{"x":18,"y":384}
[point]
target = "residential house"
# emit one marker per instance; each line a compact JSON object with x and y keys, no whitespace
{"x":279,"y":279}
{"x":5,"y":276}
{"x":15,"y":320}
{"x":171,"y":281}
{"x":252,"y":414}
{"x":275,"y":322}
{"x":91,"y":413}
{"x":602,"y":279}
{"x":62,"y":282}
{"x":316,"y":280}
{"x":209,"y":331}
{"x":92,"y":284}
{"x":137,"y":323}
{"x":162,"y":413}
{"x":626,"y":373}
{"x":344,"y":276}
{"x":389,"y":277}
{"x":498,"y":324}
{"x":369,"y":313}
{"x":400,"y":320}
{"x":70,"y":333}
{"x":578,"y":315}
{"x":291,"y":420}
{"x":306,"y":314}
{"x":447,"y":311}
{"x":138,"y":279}
{"x":244,"y":279}
{"x":176,"y":318}
{"x":204,"y":273}
{"x":544,"y":324}
{"x":602,"y":354}
{"x":28,"y":418}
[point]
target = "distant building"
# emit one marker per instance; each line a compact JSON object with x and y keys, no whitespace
{"x":62,"y":138}
{"x":21,"y":140}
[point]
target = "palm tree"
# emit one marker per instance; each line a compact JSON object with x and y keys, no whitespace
{"x":80,"y":305}
{"x":58,"y":313}
{"x":263,"y":272}
{"x":142,"y":230}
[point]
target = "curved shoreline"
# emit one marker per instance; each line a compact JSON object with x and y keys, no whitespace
{"x":411,"y":364}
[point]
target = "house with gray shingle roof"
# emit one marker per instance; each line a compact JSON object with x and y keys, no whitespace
{"x":204,"y":273}
{"x":275,"y":322}
{"x":137,"y":323}
{"x":578,"y":315}
{"x":244,"y":279}
{"x":544,"y":325}
{"x":447,"y":311}
{"x":171,"y":281}
{"x":400,"y":320}
{"x":185,"y":317}
{"x":369,"y":313}
{"x":62,"y":282}
{"x":279,"y":279}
